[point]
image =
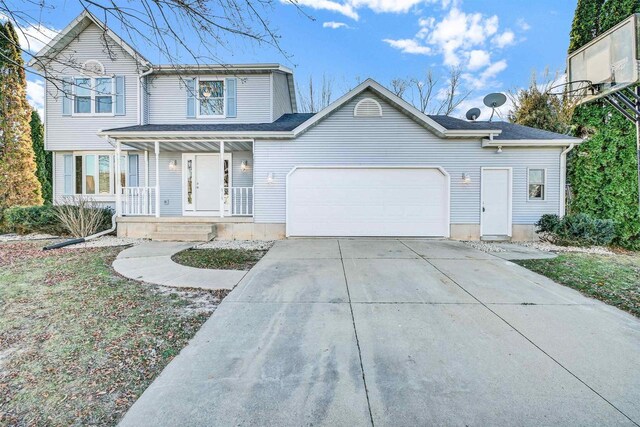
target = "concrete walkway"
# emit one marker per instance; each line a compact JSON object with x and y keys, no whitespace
{"x":357,"y":332}
{"x":151,"y":262}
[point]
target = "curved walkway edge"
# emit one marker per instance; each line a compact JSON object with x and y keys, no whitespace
{"x":151,"y":262}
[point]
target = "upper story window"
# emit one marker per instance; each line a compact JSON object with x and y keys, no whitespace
{"x":93,"y":95}
{"x":211,"y":98}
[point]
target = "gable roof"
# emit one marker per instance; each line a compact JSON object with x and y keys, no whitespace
{"x":71,"y":31}
{"x":408,"y":109}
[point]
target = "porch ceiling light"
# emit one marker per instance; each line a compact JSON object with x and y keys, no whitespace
{"x":270,"y":178}
{"x":499,"y":150}
{"x":244,"y":166}
{"x":173,"y":165}
{"x":466,"y":178}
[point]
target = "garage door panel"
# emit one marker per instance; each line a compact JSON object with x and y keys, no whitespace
{"x":367,"y":202}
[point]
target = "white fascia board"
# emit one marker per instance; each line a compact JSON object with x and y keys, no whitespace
{"x":530,"y":142}
{"x":456,"y":133}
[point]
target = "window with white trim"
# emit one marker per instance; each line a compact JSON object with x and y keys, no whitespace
{"x":537,"y":184}
{"x":93,"y":95}
{"x":211,"y":98}
{"x":95,"y":174}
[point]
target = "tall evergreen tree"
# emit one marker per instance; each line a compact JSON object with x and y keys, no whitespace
{"x":603,"y":170}
{"x":18,"y":182}
{"x":43,"y":158}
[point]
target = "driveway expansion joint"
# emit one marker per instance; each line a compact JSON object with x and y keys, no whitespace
{"x":355,"y":331}
{"x":527,"y":338}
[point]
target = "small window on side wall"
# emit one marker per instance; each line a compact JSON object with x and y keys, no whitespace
{"x":537,"y":186}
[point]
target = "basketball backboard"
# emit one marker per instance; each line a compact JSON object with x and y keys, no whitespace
{"x":606,"y":64}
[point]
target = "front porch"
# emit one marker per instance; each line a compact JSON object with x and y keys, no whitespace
{"x":188,"y":178}
{"x":199,"y":228}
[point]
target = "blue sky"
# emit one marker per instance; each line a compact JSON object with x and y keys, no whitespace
{"x":496,"y":44}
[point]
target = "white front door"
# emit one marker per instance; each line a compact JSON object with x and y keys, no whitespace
{"x":207,"y":182}
{"x":496,"y":202}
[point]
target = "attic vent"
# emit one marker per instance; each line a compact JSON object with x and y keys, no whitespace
{"x":93,"y":67}
{"x":367,"y":107}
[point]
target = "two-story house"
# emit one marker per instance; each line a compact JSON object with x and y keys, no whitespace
{"x":187,"y":152}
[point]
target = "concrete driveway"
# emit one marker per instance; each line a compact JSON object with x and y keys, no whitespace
{"x":354,"y":332}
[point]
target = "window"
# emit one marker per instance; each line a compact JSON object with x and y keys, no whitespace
{"x":211,"y":97}
{"x":93,"y":95}
{"x":95,"y":174}
{"x":537,"y":178}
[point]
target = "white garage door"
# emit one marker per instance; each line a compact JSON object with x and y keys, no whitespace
{"x":367,"y":201}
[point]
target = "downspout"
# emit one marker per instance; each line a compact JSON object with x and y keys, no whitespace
{"x":563,"y":178}
{"x":140,"y":94}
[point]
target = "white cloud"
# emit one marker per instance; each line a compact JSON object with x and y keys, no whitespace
{"x":32,"y":37}
{"x":486,"y":78}
{"x":334,"y":25}
{"x":332,"y":6}
{"x":523,"y":25}
{"x":35,"y":94}
{"x":385,"y":6}
{"x":408,"y":46}
{"x":349,"y":8}
{"x":504,"y":39}
{"x":478,"y":59}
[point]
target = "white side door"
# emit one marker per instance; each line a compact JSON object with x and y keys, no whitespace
{"x":496,"y":202}
{"x":207,"y":182}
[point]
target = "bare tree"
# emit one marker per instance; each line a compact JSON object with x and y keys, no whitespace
{"x":427,"y":95}
{"x":453,"y":95}
{"x":399,"y":87}
{"x":167,"y":27}
{"x":424,"y":89}
{"x":311,"y":100}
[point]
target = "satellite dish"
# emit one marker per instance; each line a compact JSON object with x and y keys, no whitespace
{"x":493,"y":101}
{"x":473,"y":114}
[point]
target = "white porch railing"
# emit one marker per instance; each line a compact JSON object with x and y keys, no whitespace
{"x":241,"y":201}
{"x":139,"y":201}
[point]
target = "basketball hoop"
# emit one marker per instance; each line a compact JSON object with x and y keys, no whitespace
{"x":574,"y":90}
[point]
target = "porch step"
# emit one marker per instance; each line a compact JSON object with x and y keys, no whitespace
{"x":184,"y":232}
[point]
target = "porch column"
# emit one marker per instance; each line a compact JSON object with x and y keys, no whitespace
{"x":157,"y":151}
{"x":118,"y":167}
{"x":222,"y":179}
{"x":146,"y":168}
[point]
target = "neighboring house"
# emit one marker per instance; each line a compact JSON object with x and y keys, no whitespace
{"x":206,"y":149}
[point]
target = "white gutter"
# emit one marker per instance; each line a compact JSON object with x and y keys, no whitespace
{"x":563,"y":178}
{"x":140,"y":95}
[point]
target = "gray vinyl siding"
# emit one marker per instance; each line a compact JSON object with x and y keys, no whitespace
{"x":58,"y":178}
{"x":281,"y":95}
{"x":168,"y":100}
{"x":239,"y":178}
{"x":170,"y":182}
{"x":394,"y":139}
{"x":79,"y":133}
